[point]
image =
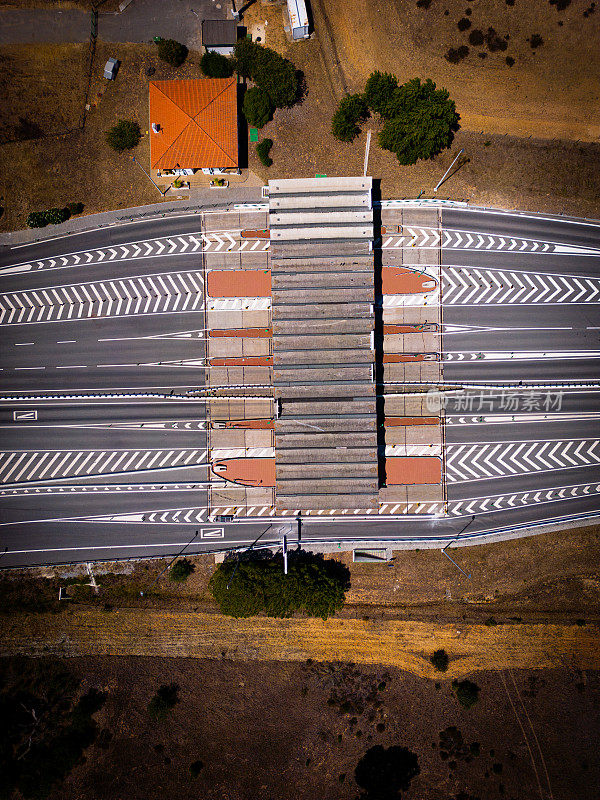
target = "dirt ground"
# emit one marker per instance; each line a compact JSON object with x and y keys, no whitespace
{"x":267,"y":730}
{"x":553,"y":577}
{"x":78,"y":166}
{"x":550,"y":94}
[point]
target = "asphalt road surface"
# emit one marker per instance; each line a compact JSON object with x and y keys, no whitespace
{"x":103,"y":442}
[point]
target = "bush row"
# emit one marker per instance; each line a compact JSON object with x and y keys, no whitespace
{"x":53,"y":216}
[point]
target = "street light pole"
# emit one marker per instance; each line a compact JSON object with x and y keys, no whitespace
{"x":449,"y":168}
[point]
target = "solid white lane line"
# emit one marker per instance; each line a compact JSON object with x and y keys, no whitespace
{"x":23,"y":344}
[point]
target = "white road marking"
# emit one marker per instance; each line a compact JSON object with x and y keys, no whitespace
{"x":499,"y":502}
{"x":426,"y":237}
{"x":108,"y":298}
{"x":98,"y":461}
{"x":482,"y":461}
{"x":471,"y":286}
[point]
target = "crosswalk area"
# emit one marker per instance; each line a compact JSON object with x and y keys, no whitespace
{"x":148,"y":294}
{"x":19,"y":466}
{"x":165,"y":246}
{"x":471,"y":286}
{"x":469,"y":462}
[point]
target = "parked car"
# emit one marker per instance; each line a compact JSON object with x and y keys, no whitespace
{"x":111,"y":68}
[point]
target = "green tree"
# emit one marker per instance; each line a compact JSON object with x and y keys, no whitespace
{"x":263,"y":149}
{"x":379,"y":92}
{"x":351,"y":110}
{"x":245,"y":54}
{"x":383,"y":773}
{"x":124,"y":135}
{"x":174,"y":53}
{"x":423,"y":122}
{"x":181,"y":570}
{"x":313,"y":585}
{"x":274,"y":74}
{"x":215,"y":65}
{"x":257,"y":107}
{"x":164,"y":701}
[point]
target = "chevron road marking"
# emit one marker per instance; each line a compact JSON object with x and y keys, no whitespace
{"x":178,"y":425}
{"x":506,"y":419}
{"x":471,"y":286}
{"x":467,"y":462}
{"x":104,"y":299}
{"x":523,"y":355}
{"x":165,"y":246}
{"x":107,"y":488}
{"x":501,"y":502}
{"x":19,"y":466}
{"x":430,"y":238}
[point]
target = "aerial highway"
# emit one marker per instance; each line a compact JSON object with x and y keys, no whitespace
{"x":103,"y":425}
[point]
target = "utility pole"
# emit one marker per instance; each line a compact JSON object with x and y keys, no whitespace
{"x":456,"y":538}
{"x":449,"y":168}
{"x":367,"y":147}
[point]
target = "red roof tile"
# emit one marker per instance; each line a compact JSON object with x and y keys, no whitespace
{"x":198,"y":123}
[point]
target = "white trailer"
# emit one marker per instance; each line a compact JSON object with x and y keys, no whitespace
{"x":298,"y":19}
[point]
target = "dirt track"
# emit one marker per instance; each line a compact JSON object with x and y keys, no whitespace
{"x":406,"y":645}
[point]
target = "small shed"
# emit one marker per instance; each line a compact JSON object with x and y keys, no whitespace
{"x":219,"y":35}
{"x":298,"y":19}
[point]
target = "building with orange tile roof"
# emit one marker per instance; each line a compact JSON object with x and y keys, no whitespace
{"x":194,"y":124}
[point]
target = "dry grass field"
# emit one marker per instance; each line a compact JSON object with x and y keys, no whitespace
{"x":296,"y":731}
{"x":530,"y":131}
{"x":550,"y":94}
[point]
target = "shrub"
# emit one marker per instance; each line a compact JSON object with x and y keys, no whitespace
{"x":463,"y":24}
{"x":383,"y":773}
{"x":174,"y":53}
{"x":440,"y":660}
{"x":257,"y":107}
{"x":181,"y":570}
{"x":424,"y":122}
{"x":54,"y":216}
{"x":379,"y":91}
{"x":196,"y":768}
{"x":476,"y":38}
{"x":274,"y":74}
{"x":467,"y":692}
{"x":163,"y":701}
{"x":313,"y":585}
{"x":37,"y":219}
{"x":454,"y":55}
{"x":124,"y":135}
{"x":536,"y":41}
{"x":74,"y":208}
{"x":351,"y":110}
{"x":263,"y":149}
{"x":215,"y":65}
